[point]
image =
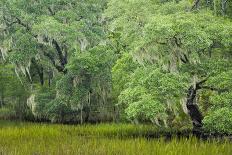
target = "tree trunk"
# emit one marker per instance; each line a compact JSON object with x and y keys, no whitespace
{"x":81,"y":113}
{"x":40,"y":71}
{"x":193,"y":109}
{"x":2,"y":100}
{"x":50,"y":76}
{"x":41,"y":76}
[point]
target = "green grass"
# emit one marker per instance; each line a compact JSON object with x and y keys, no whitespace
{"x":102,"y":139}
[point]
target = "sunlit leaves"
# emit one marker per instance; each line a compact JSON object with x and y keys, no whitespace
{"x":150,"y":91}
{"x":219,"y":120}
{"x":221,"y":100}
{"x":178,"y":43}
{"x":23,"y":48}
{"x":222,"y":81}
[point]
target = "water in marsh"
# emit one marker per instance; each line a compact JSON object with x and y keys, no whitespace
{"x":17,"y":138}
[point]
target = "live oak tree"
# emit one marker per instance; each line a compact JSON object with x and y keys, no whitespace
{"x":42,"y":38}
{"x":190,"y":49}
{"x":48,"y":29}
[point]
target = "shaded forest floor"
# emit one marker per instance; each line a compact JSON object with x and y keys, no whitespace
{"x":34,"y":138}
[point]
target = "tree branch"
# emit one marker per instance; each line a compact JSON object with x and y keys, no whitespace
{"x":214,"y":89}
{"x":184,"y":59}
{"x":59,"y":52}
{"x":198,"y":84}
{"x":62,"y":58}
{"x":51,"y":11}
{"x":23,"y":24}
{"x":51,"y":58}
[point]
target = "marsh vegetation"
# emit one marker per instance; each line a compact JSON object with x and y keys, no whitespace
{"x":17,"y":138}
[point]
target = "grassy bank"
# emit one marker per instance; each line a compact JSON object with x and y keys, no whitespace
{"x":27,"y":138}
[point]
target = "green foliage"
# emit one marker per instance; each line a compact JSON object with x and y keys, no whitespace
{"x":151,"y":93}
{"x":221,"y":100}
{"x":60,"y":111}
{"x":24,"y":48}
{"x":60,"y":43}
{"x":7,"y":113}
{"x":175,"y":48}
{"x":13,"y":94}
{"x":220,"y":7}
{"x":76,"y":59}
{"x":219,"y":120}
{"x":121,"y":72}
{"x":42,"y":98}
{"x":223,"y":79}
{"x":146,"y":107}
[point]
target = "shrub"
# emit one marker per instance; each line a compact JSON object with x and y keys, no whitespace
{"x":60,"y":111}
{"x":219,"y":120}
{"x":7,"y":113}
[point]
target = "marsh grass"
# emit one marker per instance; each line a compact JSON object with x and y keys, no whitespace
{"x":17,"y":138}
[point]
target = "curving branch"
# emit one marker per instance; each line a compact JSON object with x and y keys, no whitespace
{"x":62,"y":57}
{"x":52,"y":60}
{"x":193,"y":109}
{"x":51,"y":11}
{"x":57,"y":47}
{"x":214,"y":89}
{"x":23,"y":24}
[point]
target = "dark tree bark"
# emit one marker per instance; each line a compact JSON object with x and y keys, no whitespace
{"x":50,"y":76}
{"x":195,"y":4}
{"x":41,"y":76}
{"x":60,"y":68}
{"x":193,"y":109}
{"x":192,"y":106}
{"x":224,"y":3}
{"x":62,"y":57}
{"x":2,"y":100}
{"x":40,"y":71}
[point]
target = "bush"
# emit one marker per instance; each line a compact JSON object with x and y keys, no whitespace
{"x":7,"y":113}
{"x":219,"y":120}
{"x":60,"y":111}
